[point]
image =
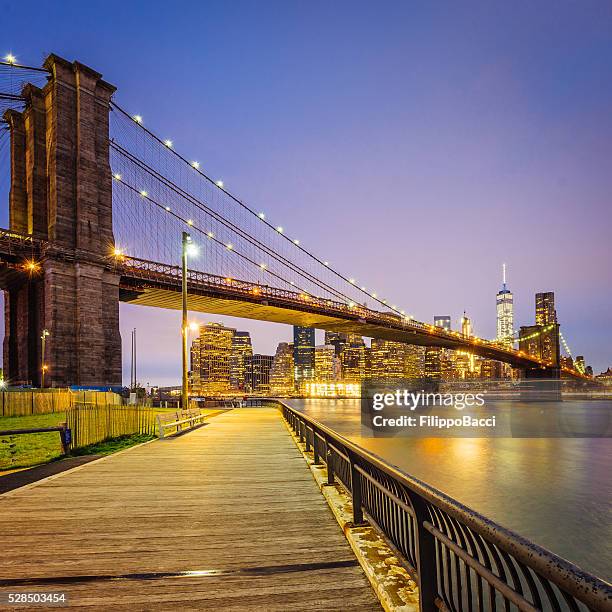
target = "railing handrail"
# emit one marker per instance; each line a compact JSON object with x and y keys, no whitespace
{"x":582,"y":585}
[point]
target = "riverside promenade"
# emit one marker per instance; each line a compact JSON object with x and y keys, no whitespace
{"x":227,"y":516}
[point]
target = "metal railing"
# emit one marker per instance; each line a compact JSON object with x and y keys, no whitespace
{"x":461,"y":559}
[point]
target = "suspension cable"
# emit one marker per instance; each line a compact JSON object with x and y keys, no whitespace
{"x":228,"y":224}
{"x":251,"y":211}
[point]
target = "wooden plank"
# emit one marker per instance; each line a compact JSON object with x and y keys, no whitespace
{"x":233,"y":497}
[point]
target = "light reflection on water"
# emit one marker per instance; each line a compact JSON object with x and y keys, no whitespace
{"x":555,"y":491}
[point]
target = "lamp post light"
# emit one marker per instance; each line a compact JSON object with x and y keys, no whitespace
{"x":188,"y":249}
{"x":43,"y":365}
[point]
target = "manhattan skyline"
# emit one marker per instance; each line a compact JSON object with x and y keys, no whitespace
{"x":484,"y":123}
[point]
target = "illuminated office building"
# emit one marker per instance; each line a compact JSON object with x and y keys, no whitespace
{"x":241,"y":349}
{"x":545,"y":312}
{"x":257,"y":373}
{"x":437,"y":359}
{"x":505,"y":314}
{"x":210,"y":359}
{"x":488,"y":368}
{"x":282,"y":372}
{"x":580,"y":363}
{"x":394,"y":360}
{"x":338,"y":340}
{"x":353,"y":359}
{"x":465,"y":362}
{"x":433,"y":366}
{"x":542,"y":339}
{"x":303,"y":355}
{"x":327,"y":365}
{"x":443,"y":321}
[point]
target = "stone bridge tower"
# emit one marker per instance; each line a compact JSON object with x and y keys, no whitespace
{"x":61,"y":193}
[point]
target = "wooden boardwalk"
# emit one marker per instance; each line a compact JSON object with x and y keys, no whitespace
{"x":233,"y":502}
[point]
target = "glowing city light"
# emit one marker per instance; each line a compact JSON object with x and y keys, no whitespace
{"x":194,"y":326}
{"x":195,"y":164}
{"x":229,"y":246}
{"x":326,"y":263}
{"x":117,"y":176}
{"x":10,"y":58}
{"x":261,"y":215}
{"x":168,"y":208}
{"x":210,"y":234}
{"x":192,"y":249}
{"x":137,"y":118}
{"x":168,"y":143}
{"x":297,"y":242}
{"x":117,"y":252}
{"x":219,"y":184}
{"x":352,"y":281}
{"x":143,"y":193}
{"x":189,"y":222}
{"x":263,"y":266}
{"x":280,"y":229}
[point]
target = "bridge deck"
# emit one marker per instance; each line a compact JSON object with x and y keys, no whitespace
{"x":233,"y":499}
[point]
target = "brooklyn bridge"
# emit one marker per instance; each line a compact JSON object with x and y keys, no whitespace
{"x":97,"y":206}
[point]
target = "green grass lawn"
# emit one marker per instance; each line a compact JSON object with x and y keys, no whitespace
{"x":31,"y":449}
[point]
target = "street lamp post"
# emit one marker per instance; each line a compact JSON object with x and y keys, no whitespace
{"x":43,"y":366}
{"x":185,"y":391}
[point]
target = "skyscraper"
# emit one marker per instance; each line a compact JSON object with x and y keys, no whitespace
{"x":435,"y":356}
{"x":241,"y":349}
{"x":282,"y":372}
{"x":257,"y":373}
{"x":542,"y":339}
{"x":353,"y":359}
{"x":210,"y":359}
{"x":505,"y":314}
{"x":545,"y":312}
{"x":443,"y":321}
{"x":338,"y":340}
{"x":327,"y":365}
{"x":303,"y":355}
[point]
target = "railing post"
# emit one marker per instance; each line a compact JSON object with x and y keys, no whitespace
{"x":315,"y":453}
{"x":330,"y":465}
{"x":426,"y":556}
{"x":306,"y":439}
{"x":356,"y":493}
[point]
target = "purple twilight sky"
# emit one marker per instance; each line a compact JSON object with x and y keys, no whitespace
{"x":416,"y":145}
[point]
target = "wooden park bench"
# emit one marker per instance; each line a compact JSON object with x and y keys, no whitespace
{"x":179,"y":420}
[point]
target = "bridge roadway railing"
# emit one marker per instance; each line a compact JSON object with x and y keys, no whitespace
{"x":161,"y":272}
{"x":462,"y":560}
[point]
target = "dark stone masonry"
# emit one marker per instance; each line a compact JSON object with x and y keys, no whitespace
{"x":61,"y":192}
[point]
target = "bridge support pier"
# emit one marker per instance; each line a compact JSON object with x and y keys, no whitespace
{"x":61,"y":194}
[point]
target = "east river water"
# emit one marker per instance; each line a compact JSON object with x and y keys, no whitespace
{"x":555,"y":491}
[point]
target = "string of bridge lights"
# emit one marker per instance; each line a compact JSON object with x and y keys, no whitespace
{"x":169,"y":144}
{"x":118,"y":252}
{"x":166,"y":182}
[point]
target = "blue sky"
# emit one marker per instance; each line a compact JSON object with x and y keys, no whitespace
{"x":419,"y":144}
